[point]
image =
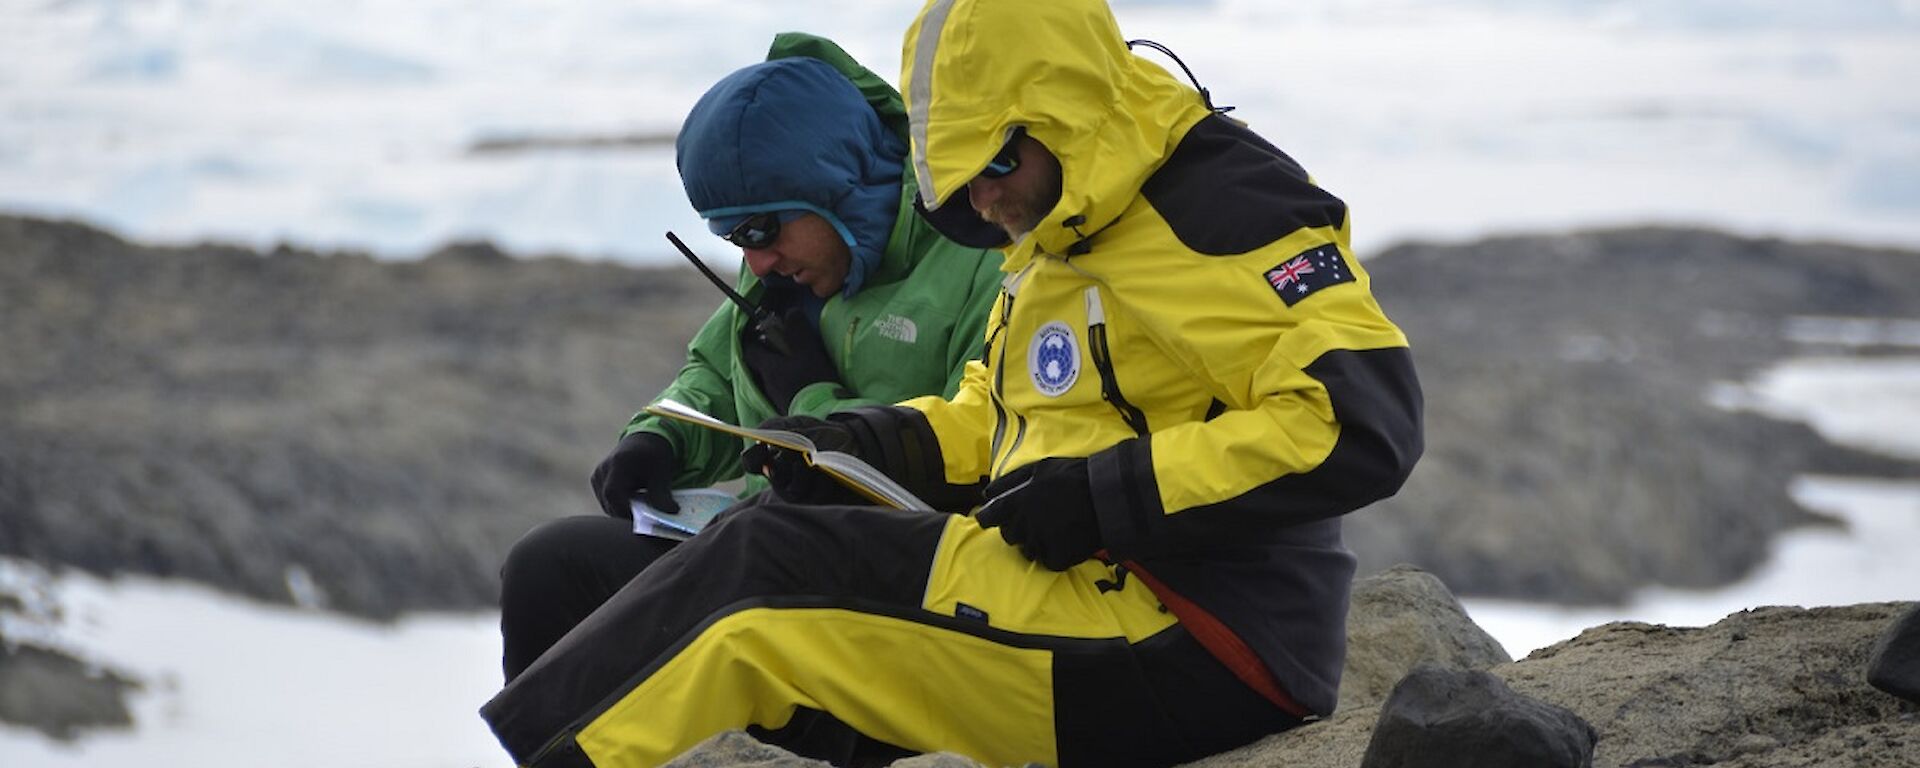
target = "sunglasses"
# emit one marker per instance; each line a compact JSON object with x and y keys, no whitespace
{"x":1007,"y":161}
{"x":757,"y":232}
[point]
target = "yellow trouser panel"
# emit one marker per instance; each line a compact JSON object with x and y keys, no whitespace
{"x":975,"y":566}
{"x":902,"y":682}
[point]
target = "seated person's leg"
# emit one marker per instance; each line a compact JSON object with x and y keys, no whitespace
{"x":916,"y":630}
{"x":560,"y":572}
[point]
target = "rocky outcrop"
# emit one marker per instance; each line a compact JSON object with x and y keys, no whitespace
{"x":379,"y":431}
{"x":1572,"y":453}
{"x":1770,"y":687}
{"x":58,"y":695}
{"x":383,"y":431}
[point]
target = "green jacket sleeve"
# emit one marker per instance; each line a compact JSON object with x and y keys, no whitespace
{"x":705,"y":457}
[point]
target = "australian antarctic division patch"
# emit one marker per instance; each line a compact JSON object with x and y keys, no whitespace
{"x":1054,"y":359}
{"x":1298,"y":277}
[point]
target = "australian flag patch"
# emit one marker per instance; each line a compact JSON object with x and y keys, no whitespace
{"x":1298,"y":277}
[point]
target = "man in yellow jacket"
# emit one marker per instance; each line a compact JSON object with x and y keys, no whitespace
{"x":1186,"y":383}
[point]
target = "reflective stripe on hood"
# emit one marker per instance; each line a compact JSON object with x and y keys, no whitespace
{"x":973,"y":70}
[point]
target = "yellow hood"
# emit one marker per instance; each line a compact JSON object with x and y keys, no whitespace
{"x":974,"y":70}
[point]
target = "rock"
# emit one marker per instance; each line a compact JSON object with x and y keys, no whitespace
{"x":1436,"y":716}
{"x":1693,"y":696}
{"x":736,"y":748}
{"x":1895,"y":666}
{"x":1766,"y":688}
{"x":233,"y":416}
{"x":1401,"y":618}
{"x":1571,"y":455}
{"x":219,"y":415}
{"x":58,"y":695}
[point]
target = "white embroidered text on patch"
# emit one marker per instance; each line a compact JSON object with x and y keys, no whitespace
{"x":897,"y":328}
{"x":1054,"y":359}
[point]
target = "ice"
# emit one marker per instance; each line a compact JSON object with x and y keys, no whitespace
{"x":350,"y":124}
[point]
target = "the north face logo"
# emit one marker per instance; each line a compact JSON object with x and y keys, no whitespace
{"x":897,"y":328}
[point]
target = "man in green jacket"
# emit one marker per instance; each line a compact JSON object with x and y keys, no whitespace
{"x":799,"y":162}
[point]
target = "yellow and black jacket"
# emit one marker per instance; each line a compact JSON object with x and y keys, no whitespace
{"x":1189,"y":316}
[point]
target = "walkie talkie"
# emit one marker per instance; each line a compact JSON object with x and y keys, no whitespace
{"x":763,"y":322}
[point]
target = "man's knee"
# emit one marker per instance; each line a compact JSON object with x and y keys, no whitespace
{"x":548,"y":543}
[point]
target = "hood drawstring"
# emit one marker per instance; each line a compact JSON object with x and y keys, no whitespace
{"x":1205,"y":97}
{"x":1081,"y":246}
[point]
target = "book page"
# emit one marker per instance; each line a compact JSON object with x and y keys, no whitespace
{"x":676,"y":410}
{"x":869,"y":482}
{"x":848,"y":469}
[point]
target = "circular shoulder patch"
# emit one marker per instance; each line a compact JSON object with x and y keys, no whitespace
{"x":1054,"y":359}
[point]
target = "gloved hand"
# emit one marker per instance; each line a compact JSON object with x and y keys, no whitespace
{"x":792,"y":478}
{"x":642,"y":464}
{"x":781,"y":376}
{"x":1046,"y":509}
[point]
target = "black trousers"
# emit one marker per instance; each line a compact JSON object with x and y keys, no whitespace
{"x":558,"y":574}
{"x":563,"y":570}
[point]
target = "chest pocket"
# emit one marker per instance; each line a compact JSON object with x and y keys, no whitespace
{"x":897,"y":352}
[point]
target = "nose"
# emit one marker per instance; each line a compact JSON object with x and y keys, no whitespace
{"x":760,"y":261}
{"x":982,"y":193}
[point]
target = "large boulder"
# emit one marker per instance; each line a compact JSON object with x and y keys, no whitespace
{"x":1402,"y":618}
{"x":1437,"y":715}
{"x":1895,"y":666}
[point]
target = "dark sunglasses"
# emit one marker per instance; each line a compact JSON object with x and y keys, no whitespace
{"x":757,"y":232}
{"x":1007,"y":161}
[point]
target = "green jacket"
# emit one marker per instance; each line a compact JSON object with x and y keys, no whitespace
{"x":910,"y":331}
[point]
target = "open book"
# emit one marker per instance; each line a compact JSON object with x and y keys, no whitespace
{"x":844,"y":467}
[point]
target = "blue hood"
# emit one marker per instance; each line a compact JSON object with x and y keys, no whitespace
{"x":794,"y":133}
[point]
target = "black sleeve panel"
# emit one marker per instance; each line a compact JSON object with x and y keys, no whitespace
{"x":1225,"y":191}
{"x":1376,"y":399}
{"x":899,"y":442}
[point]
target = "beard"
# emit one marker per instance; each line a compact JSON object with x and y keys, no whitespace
{"x":1018,"y":214}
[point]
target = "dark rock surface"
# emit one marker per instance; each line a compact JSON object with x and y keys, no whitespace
{"x":58,"y":695}
{"x":1735,"y":692}
{"x":1895,"y":665}
{"x":1572,"y":454}
{"x":1436,"y":715}
{"x":387,"y":429}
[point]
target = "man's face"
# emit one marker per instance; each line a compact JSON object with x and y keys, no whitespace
{"x":809,"y":251}
{"x":1017,"y":201}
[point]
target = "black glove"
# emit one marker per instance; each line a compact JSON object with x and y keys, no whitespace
{"x":1046,"y":509}
{"x":642,"y":464}
{"x":792,"y":478}
{"x":781,"y":376}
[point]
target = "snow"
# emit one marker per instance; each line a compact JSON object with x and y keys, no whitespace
{"x":352,"y":124}
{"x":1867,"y":403}
{"x":234,"y":683}
{"x":1866,"y":561}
